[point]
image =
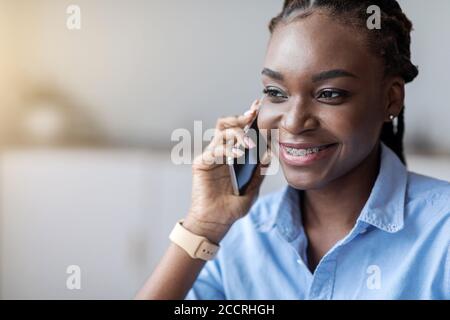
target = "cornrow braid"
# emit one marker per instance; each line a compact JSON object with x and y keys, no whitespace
{"x":391,"y":43}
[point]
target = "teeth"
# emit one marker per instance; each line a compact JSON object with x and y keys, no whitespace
{"x":302,"y":152}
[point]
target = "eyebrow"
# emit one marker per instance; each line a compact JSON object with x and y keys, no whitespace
{"x":336,"y":73}
{"x":272,"y":74}
{"x":324,"y":75}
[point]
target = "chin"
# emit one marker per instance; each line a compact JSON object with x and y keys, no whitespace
{"x":299,"y":179}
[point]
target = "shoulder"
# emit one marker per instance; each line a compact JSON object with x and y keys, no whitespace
{"x":432,"y":193}
{"x":428,"y":206}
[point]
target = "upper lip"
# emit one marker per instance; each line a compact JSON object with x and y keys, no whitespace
{"x":305,"y":145}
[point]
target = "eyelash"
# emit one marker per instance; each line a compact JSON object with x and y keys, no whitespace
{"x":332,"y":92}
{"x":268,"y":91}
{"x":342,"y":94}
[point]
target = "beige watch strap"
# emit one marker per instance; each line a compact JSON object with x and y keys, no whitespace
{"x":196,"y":246}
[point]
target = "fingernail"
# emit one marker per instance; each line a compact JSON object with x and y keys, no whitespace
{"x":256,"y":106}
{"x":249,"y":112}
{"x":249,"y":142}
{"x":266,"y":159}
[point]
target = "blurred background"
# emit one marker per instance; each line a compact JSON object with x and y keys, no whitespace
{"x":86,"y":117}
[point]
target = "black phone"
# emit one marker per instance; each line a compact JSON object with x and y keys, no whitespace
{"x":244,"y":167}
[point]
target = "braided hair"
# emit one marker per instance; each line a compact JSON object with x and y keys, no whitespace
{"x":391,"y":43}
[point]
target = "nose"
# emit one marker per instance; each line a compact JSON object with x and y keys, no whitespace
{"x":299,"y":118}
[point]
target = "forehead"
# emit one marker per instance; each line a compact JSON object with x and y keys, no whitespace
{"x":316,"y":43}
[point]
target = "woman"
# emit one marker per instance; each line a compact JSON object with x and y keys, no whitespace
{"x":352,"y":223}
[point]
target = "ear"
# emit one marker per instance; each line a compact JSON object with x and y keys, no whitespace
{"x":394,"y":92}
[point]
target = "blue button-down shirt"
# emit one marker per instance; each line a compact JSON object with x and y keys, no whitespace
{"x":399,"y":247}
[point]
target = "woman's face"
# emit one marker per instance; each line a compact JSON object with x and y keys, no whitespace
{"x":324,"y":88}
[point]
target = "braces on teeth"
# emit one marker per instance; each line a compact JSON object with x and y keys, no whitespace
{"x":303,"y":152}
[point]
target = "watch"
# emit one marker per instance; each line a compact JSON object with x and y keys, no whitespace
{"x":196,"y":246}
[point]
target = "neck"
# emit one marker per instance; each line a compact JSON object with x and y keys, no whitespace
{"x":339,"y":203}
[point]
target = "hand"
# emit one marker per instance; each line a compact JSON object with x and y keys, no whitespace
{"x":214,"y":207}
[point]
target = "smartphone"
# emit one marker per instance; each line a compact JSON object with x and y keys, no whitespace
{"x":243,"y":168}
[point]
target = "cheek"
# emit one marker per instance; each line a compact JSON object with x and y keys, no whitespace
{"x":355,"y":124}
{"x":269,"y":117}
{"x":358,"y":132}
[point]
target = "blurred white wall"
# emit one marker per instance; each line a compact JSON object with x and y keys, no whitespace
{"x":178,"y":61}
{"x":426,"y":115}
{"x":107,"y":211}
{"x":143,"y":68}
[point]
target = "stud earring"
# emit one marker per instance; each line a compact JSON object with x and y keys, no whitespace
{"x":394,"y":122}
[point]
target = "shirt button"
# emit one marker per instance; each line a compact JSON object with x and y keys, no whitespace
{"x":299,"y":261}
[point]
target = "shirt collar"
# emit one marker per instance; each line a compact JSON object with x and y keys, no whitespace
{"x":384,"y":209}
{"x":386,"y":205}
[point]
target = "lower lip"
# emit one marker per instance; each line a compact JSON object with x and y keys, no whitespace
{"x":308,"y":159}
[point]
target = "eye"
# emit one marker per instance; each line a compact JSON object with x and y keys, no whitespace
{"x":332,"y":94}
{"x":275,"y":93}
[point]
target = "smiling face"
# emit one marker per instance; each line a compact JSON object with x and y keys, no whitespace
{"x":323,"y":87}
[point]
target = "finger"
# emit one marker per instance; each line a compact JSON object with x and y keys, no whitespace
{"x":231,"y":135}
{"x":224,"y":140}
{"x":256,"y":104}
{"x":266,"y":159}
{"x":234,"y":121}
{"x":207,"y":159}
{"x":252,"y":113}
{"x":239,"y":121}
{"x":225,"y":154}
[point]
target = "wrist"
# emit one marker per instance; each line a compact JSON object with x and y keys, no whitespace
{"x":213,"y":231}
